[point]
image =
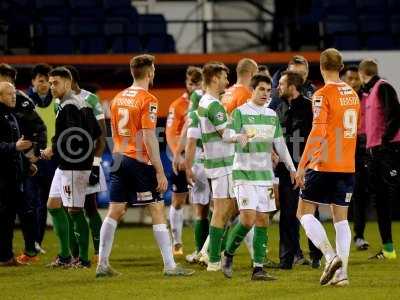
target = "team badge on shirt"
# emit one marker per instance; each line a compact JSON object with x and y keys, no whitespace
{"x":317,"y":101}
{"x":153,"y":107}
{"x":220,"y":116}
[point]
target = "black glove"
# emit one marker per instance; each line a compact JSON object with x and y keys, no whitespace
{"x":94,"y":175}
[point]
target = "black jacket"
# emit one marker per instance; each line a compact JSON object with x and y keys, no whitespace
{"x":390,"y":105}
{"x":14,"y":165}
{"x":76,"y":129}
{"x":296,"y":120}
{"x":31,"y":125}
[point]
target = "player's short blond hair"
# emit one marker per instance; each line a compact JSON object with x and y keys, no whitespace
{"x":246,"y":65}
{"x":369,"y":67}
{"x":140,"y":65}
{"x":194,"y":73}
{"x":331,"y":60}
{"x":211,"y":69}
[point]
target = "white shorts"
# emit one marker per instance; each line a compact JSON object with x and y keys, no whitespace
{"x":201,"y":191}
{"x":222,"y":187}
{"x":70,"y":186}
{"x":254,"y":197}
{"x":100,"y":187}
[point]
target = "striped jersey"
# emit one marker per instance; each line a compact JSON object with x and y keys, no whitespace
{"x":253,"y":164}
{"x":194,"y":131}
{"x":218,"y":154}
{"x":195,"y":99}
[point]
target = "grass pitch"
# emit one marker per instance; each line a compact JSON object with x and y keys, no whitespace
{"x":136,"y":255}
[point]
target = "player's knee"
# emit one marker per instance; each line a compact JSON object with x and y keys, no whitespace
{"x":116,"y":212}
{"x":53,"y":203}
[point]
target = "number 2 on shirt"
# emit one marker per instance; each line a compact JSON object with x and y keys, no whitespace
{"x":123,"y":116}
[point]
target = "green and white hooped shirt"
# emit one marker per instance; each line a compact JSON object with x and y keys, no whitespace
{"x":217,"y":153}
{"x":253,"y":164}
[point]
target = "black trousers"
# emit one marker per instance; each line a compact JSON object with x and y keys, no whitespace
{"x":384,"y":171}
{"x":289,"y":225}
{"x":362,"y":194}
{"x":9,"y":199}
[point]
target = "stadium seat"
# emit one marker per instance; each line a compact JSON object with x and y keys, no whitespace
{"x":373,"y":24}
{"x":346,"y":42}
{"x":339,"y":8}
{"x":160,"y":44}
{"x":87,"y":8}
{"x":339,"y":25}
{"x":121,"y":8}
{"x":379,"y":42}
{"x":371,"y":7}
{"x":395,"y":29}
{"x":394,"y":7}
{"x":52,"y":8}
{"x":152,"y":24}
{"x":118,"y":37}
{"x":89,"y":34}
{"x":53,"y":34}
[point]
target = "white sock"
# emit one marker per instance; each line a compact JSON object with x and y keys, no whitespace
{"x":164,"y":243}
{"x":176,"y":221}
{"x":107,"y":232}
{"x":248,"y":240}
{"x":204,"y":249}
{"x":316,"y":233}
{"x":343,"y":242}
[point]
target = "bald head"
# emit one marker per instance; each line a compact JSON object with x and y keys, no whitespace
{"x":7,"y":94}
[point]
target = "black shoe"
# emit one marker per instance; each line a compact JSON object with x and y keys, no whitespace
{"x":227,"y":265}
{"x":285,"y":266}
{"x":315,"y":263}
{"x":260,"y":275}
{"x":60,"y":262}
{"x":301,"y":261}
{"x":82,"y":264}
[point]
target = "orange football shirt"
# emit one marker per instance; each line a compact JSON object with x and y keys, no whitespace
{"x":235,"y":96}
{"x":132,"y":110}
{"x":176,"y":119}
{"x":332,"y":141}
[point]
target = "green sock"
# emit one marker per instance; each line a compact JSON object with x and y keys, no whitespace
{"x":225,"y":238}
{"x":266,"y":241}
{"x":214,"y":248}
{"x":200,"y":232}
{"x":259,"y":244}
{"x":73,"y":242}
{"x":235,"y":237}
{"x":388,"y":247}
{"x":60,"y":225}
{"x":81,"y":228}
{"x":95,"y":226}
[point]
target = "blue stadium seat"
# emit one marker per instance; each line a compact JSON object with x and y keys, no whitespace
{"x":339,"y":8}
{"x":133,"y":44}
{"x":89,"y":34}
{"x":52,"y":34}
{"x":152,"y":24}
{"x":52,"y":8}
{"x":380,"y":42}
{"x":371,"y":7}
{"x":373,"y":24}
{"x":87,"y":8}
{"x":59,"y":45}
{"x":339,"y":24}
{"x":121,"y":8}
{"x":394,"y":7}
{"x":346,"y":42}
{"x":160,"y":44}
